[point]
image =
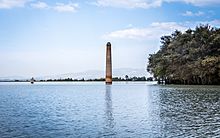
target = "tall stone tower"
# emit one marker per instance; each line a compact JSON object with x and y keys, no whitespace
{"x":108,"y":77}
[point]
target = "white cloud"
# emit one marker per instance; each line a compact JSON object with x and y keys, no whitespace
{"x":39,"y":5}
{"x":61,"y":7}
{"x":129,"y":3}
{"x":199,"y":2}
{"x":155,"y":30}
{"x":190,"y":13}
{"x":150,"y":3}
{"x":8,"y":4}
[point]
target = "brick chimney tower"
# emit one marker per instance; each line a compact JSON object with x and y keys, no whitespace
{"x":108,"y":77}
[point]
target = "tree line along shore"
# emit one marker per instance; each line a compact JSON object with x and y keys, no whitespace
{"x":126,"y":78}
{"x":190,"y":57}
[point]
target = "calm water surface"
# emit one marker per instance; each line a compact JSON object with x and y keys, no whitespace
{"x":121,"y":110}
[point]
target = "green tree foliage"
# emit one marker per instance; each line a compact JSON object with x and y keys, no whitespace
{"x":192,"y":57}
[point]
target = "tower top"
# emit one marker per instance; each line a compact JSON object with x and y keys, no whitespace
{"x":108,"y":44}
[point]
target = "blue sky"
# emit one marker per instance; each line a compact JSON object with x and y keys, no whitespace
{"x":50,"y":37}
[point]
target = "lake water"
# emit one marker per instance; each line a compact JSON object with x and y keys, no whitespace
{"x":93,"y":109}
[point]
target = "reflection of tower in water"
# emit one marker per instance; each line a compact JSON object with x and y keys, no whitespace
{"x":109,"y":119}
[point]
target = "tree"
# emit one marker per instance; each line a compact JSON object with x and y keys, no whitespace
{"x":191,"y":57}
{"x":126,"y":77}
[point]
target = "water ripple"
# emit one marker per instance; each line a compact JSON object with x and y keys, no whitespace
{"x":120,"y":110}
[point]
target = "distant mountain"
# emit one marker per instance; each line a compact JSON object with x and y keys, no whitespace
{"x":9,"y":78}
{"x":79,"y":75}
{"x":91,"y":74}
{"x":130,"y":72}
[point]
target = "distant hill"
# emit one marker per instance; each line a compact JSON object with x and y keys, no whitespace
{"x":91,"y":74}
{"x":9,"y":78}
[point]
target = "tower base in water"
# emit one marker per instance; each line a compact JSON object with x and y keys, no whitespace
{"x":108,"y":81}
